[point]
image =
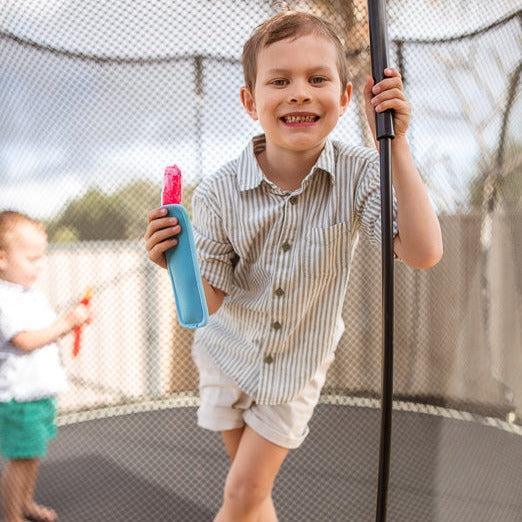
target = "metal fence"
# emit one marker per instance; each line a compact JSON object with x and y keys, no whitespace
{"x":98,"y":97}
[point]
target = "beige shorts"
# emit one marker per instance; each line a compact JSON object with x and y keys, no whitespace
{"x":224,"y":406}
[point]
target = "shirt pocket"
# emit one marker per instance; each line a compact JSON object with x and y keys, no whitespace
{"x":326,"y":251}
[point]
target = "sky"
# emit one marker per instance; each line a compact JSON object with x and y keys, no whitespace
{"x":70,"y":123}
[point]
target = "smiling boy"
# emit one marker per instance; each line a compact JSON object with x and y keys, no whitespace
{"x":275,"y":230}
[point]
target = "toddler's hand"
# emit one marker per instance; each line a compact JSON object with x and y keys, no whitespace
{"x":387,"y":94}
{"x":159,"y":235}
{"x":77,"y":316}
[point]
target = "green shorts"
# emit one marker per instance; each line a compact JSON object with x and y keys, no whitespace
{"x":26,"y":428}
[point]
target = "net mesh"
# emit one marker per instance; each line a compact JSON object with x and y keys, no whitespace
{"x":98,"y":97}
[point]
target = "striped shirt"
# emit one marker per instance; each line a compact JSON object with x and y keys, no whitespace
{"x":283,"y":259}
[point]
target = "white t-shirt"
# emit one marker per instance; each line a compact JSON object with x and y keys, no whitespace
{"x":27,"y":376}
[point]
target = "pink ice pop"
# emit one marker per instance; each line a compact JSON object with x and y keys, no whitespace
{"x":171,"y":193}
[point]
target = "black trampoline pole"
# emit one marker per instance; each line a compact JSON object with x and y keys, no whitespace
{"x":385,"y":133}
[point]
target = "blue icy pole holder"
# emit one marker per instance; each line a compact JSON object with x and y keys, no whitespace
{"x":183,"y":268}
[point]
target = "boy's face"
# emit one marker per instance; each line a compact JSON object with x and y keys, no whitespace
{"x":298,"y":97}
{"x":22,"y":254}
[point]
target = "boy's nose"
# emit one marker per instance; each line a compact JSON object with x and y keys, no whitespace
{"x":300,"y":93}
{"x":300,"y":98}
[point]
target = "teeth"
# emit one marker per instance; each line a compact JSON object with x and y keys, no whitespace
{"x":299,"y":119}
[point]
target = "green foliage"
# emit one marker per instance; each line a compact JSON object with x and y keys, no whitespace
{"x":64,"y":235}
{"x":99,"y":216}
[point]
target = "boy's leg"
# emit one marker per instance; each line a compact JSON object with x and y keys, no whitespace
{"x":256,"y":462}
{"x":231,"y":439}
{"x":25,"y":430}
{"x":30,"y":508}
{"x":15,"y":481}
{"x":18,"y":482}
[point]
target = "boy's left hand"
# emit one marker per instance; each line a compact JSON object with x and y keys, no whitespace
{"x":387,"y":94}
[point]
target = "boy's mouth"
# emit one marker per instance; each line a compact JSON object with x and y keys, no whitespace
{"x":299,"y":118}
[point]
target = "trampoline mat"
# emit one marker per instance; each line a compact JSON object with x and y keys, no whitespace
{"x":158,"y":465}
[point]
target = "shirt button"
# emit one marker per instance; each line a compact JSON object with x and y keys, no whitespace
{"x":293,"y":200}
{"x":276,"y":325}
{"x":269,"y":359}
{"x":286,"y":246}
{"x":279,"y":292}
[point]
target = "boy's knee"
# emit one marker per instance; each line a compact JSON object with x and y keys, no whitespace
{"x":245,"y":493}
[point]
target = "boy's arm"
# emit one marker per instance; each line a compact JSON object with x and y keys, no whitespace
{"x":419,"y":242}
{"x":30,"y":340}
{"x":214,"y":296}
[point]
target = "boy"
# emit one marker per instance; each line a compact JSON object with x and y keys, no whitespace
{"x":275,"y":230}
{"x":30,"y":370}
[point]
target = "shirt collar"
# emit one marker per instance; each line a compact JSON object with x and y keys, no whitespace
{"x":250,"y":174}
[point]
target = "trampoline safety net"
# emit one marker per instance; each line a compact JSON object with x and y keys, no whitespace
{"x":97,"y":97}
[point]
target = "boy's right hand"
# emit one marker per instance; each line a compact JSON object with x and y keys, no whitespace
{"x":159,"y":236}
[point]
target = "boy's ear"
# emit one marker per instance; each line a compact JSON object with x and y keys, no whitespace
{"x":346,"y":96}
{"x":247,"y":99}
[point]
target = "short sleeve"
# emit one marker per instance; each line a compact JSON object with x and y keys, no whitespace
{"x":368,"y":203}
{"x":9,"y":327}
{"x":215,"y":254}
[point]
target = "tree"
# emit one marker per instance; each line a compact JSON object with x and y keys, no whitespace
{"x":93,"y":216}
{"x":508,"y":180}
{"x":99,"y":216}
{"x":134,"y":201}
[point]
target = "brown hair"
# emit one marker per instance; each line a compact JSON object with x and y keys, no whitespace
{"x":289,"y":24}
{"x":10,"y":219}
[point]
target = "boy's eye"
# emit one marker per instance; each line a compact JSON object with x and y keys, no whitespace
{"x":279,"y":82}
{"x":317,"y":79}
